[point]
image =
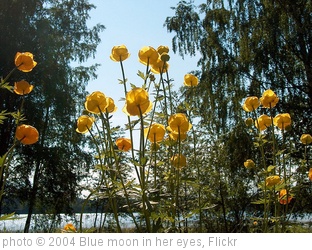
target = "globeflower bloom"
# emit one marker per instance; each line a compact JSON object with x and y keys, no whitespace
{"x":249,"y":164}
{"x":251,"y":103}
{"x":263,"y":122}
{"x":24,"y":61}
{"x":282,"y":121}
{"x":111,"y":107}
{"x":284,"y":197}
{"x":119,"y":53}
{"x":84,"y":124}
{"x":159,"y":66}
{"x":190,"y":80}
{"x":137,"y":102}
{"x":69,"y":228}
{"x":22,"y":87}
{"x":27,"y":134}
{"x":175,"y":135}
{"x":148,"y":55}
{"x":306,"y":139}
{"x":123,"y":144}
{"x":178,"y":161}
{"x":310,"y":174}
{"x":162,"y":49}
{"x":155,"y":133}
{"x":96,"y":102}
{"x":269,"y":99}
{"x":272,"y":180}
{"x":179,"y":123}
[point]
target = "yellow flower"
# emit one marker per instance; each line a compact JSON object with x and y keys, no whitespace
{"x":22,"y":87}
{"x":148,"y":55}
{"x":263,"y":122}
{"x":269,"y":99}
{"x":310,"y":174}
{"x":272,"y":180}
{"x":69,"y":227}
{"x":162,"y":49}
{"x":84,"y":124}
{"x":27,"y":134}
{"x":249,"y":164}
{"x":176,"y":136}
{"x":96,"y":102}
{"x":283,"y":199}
{"x":282,"y":121}
{"x":251,"y":103}
{"x":155,"y":133}
{"x":159,"y":66}
{"x":306,"y":139}
{"x":25,"y":61}
{"x":190,"y":80}
{"x":111,"y":107}
{"x":119,"y":53}
{"x":123,"y":144}
{"x":178,"y":161}
{"x":137,"y":102}
{"x":179,"y":123}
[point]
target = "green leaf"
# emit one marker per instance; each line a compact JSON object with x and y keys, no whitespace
{"x":8,"y":217}
{"x":3,"y":115}
{"x":141,"y":74}
{"x":6,"y":86}
{"x":261,"y":201}
{"x":270,"y":168}
{"x":122,"y":82}
{"x":132,"y":86}
{"x":160,"y":163}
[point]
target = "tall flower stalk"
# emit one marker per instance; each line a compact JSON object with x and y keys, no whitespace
{"x":142,"y":113}
{"x":273,"y":164}
{"x":24,"y":134}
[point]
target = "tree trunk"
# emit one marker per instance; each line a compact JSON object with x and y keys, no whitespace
{"x":33,"y":194}
{"x":32,"y":200}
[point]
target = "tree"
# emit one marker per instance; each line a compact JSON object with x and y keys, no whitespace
{"x":247,"y":47}
{"x":57,"y":34}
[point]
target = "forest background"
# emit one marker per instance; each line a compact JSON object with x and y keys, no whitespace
{"x":242,"y":48}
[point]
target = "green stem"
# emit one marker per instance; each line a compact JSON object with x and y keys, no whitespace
{"x":169,"y":90}
{"x":265,"y":191}
{"x":116,"y":159}
{"x":142,"y":160}
{"x":129,"y":123}
{"x":98,"y":185}
{"x":8,"y":76}
{"x":5,"y":164}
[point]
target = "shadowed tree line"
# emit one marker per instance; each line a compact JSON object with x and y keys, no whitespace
{"x":45,"y":176}
{"x":246,"y":47}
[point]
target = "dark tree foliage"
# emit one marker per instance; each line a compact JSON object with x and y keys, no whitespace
{"x":56,"y":32}
{"x":246,"y":47}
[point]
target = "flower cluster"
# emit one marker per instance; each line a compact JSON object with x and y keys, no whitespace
{"x":268,"y":100}
{"x":24,"y":61}
{"x":24,"y":133}
{"x":277,"y":185}
{"x":169,"y":130}
{"x":137,"y":101}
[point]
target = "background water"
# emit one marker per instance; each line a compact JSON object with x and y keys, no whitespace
{"x":45,"y":223}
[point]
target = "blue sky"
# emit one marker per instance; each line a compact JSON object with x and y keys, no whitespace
{"x":135,"y":24}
